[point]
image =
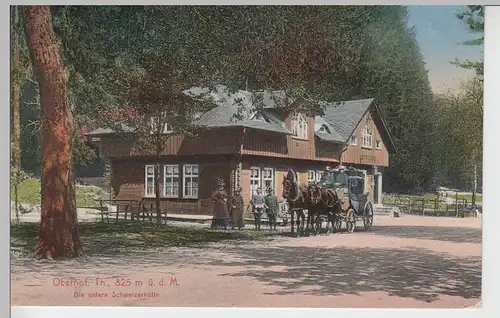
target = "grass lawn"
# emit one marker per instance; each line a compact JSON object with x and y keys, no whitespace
{"x":29,"y":193}
{"x":468,"y":197}
{"x":127,"y":237}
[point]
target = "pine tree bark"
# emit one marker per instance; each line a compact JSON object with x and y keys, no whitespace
{"x":58,"y":235}
{"x":16,"y":93}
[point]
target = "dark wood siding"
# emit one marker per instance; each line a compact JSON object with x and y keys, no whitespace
{"x":223,"y":141}
{"x":259,"y":143}
{"x":128,"y":182}
{"x":327,"y":151}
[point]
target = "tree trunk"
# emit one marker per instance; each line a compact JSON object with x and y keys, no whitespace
{"x":16,"y":199}
{"x":157,"y":191}
{"x":474,"y":185}
{"x":16,"y":94}
{"x":58,"y":236}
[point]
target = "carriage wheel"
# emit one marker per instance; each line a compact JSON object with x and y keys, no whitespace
{"x":350,"y":221}
{"x":336,"y":223}
{"x":368,"y":217}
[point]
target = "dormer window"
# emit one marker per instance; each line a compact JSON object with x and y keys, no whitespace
{"x":258,"y":116}
{"x":324,"y":129}
{"x":299,"y":127}
{"x":366,"y":138}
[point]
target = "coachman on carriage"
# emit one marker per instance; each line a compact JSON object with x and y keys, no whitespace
{"x":338,"y":198}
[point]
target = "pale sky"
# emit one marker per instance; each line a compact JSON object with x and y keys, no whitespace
{"x":439,"y":35}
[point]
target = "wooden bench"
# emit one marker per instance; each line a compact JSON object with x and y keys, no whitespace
{"x":123,"y":207}
{"x":148,"y":210}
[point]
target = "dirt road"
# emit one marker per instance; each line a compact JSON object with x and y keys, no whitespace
{"x":401,"y":262}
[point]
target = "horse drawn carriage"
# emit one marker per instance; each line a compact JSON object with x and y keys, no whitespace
{"x":339,"y":197}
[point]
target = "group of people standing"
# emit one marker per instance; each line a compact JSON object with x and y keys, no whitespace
{"x":232,"y":213}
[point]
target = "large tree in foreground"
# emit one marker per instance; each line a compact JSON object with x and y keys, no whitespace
{"x":58,"y":235}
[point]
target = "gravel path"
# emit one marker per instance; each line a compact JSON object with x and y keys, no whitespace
{"x":412,"y":261}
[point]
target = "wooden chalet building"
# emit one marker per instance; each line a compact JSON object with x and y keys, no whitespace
{"x":253,"y":152}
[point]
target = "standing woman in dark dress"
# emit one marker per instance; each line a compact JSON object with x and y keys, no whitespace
{"x":220,"y":198}
{"x":237,"y":210}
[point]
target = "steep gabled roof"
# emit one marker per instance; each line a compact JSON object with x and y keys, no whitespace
{"x":345,"y":116}
{"x":237,"y":109}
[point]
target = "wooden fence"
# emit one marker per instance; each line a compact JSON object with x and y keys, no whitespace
{"x":430,"y":207}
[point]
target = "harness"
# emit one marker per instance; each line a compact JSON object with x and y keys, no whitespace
{"x":299,"y":193}
{"x":326,"y":196}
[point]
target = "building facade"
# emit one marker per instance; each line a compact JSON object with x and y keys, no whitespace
{"x":255,"y":152}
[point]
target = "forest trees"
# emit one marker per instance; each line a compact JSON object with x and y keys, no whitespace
{"x":461,"y":127}
{"x":58,"y":235}
{"x":394,"y":74}
{"x":20,"y":71}
{"x":461,"y":133}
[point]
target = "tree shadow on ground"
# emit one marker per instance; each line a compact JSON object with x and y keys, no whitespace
{"x":409,"y":272}
{"x":100,"y":239}
{"x":436,"y":233}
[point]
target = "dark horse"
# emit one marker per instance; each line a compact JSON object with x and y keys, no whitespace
{"x":296,"y":198}
{"x":323,"y":202}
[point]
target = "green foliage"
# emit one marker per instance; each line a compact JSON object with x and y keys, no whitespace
{"x":18,"y":175}
{"x":29,"y":192}
{"x":82,"y":154}
{"x":461,"y":132}
{"x":143,"y":58}
{"x":394,"y":74}
{"x":24,"y":71}
{"x":473,"y":17}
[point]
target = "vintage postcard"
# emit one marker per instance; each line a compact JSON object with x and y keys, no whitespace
{"x":247,"y":156}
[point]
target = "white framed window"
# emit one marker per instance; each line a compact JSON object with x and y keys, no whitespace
{"x":366,"y":137}
{"x":268,"y":179}
{"x":149,"y":189}
{"x":311,"y":176}
{"x":190,"y":182}
{"x":319,"y":174}
{"x":255,"y":180}
{"x":378,"y":144}
{"x":354,"y":140}
{"x":171,"y":181}
{"x":299,"y":127}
